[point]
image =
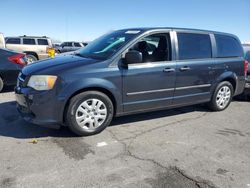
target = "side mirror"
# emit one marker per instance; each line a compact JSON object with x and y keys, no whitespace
{"x":133,"y":57}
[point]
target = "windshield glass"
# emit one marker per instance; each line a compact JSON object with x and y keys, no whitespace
{"x":107,"y":45}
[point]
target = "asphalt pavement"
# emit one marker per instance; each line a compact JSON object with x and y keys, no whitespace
{"x":185,"y":147}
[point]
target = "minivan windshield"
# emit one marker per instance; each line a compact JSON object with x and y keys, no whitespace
{"x":107,"y":45}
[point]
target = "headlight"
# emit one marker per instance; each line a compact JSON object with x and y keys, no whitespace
{"x":42,"y":82}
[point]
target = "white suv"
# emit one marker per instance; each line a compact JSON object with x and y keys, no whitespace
{"x":35,"y":48}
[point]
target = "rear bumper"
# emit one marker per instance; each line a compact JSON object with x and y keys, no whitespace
{"x":240,"y":86}
{"x":39,"y":107}
{"x":247,"y":85}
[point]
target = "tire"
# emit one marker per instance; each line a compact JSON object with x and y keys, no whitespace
{"x":222,"y":96}
{"x":1,"y":84}
{"x":31,"y":58}
{"x":83,"y":119}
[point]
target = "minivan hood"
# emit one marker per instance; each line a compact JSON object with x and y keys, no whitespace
{"x":57,"y":63}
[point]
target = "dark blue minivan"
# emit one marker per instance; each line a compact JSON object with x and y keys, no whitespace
{"x":132,"y":71}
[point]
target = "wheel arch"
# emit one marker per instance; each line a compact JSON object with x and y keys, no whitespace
{"x":91,"y":88}
{"x":232,"y":81}
{"x":32,"y":53}
{"x":227,"y":76}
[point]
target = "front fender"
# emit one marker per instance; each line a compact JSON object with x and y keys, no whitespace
{"x":70,"y":89}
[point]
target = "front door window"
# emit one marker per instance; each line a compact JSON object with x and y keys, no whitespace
{"x":154,"y":48}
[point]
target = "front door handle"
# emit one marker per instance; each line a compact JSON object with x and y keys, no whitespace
{"x":168,"y":70}
{"x":184,"y":68}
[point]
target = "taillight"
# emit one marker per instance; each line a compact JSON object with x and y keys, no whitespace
{"x":18,"y":59}
{"x":245,"y":67}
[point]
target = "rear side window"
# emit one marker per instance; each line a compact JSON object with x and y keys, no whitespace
{"x":194,"y":46}
{"x":77,"y":44}
{"x":42,"y":42}
{"x":29,"y":41}
{"x":69,"y":44}
{"x":228,"y":46}
{"x":13,"y":41}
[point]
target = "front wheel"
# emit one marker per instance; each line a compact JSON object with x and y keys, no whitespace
{"x":222,"y":96}
{"x":89,"y":113}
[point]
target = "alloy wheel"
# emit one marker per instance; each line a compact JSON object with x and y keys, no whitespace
{"x":223,"y":97}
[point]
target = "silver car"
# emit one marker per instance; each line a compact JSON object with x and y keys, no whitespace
{"x":69,"y":46}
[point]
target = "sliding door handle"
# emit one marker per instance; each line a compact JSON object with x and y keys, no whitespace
{"x":169,"y":70}
{"x":184,"y":68}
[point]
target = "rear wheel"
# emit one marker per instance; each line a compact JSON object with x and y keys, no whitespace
{"x":222,"y":96}
{"x":89,"y":113}
{"x":31,"y":58}
{"x":1,"y":84}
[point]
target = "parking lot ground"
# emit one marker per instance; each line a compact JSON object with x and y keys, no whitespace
{"x":185,"y":147}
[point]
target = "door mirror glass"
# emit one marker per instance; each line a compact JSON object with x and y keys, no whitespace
{"x":133,"y":57}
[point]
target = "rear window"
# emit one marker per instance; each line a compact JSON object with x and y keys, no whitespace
{"x":42,"y":42}
{"x":29,"y":41}
{"x":228,"y":46}
{"x":13,"y":41}
{"x":194,"y":46}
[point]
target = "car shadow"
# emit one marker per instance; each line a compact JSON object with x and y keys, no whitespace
{"x":158,"y":114}
{"x":242,"y":98}
{"x":12,"y":125}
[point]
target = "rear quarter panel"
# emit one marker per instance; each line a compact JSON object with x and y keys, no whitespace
{"x":230,"y":68}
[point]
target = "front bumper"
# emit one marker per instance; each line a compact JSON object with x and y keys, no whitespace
{"x":41,"y":108}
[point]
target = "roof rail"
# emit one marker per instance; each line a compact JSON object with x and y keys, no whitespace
{"x":34,"y":36}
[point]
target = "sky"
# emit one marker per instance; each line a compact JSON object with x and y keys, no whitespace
{"x":85,"y":20}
